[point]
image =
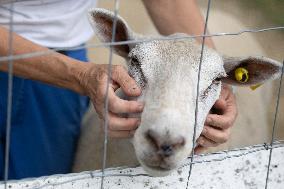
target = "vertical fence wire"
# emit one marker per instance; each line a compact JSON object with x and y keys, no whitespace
{"x":197,"y":92}
{"x":107,"y":92}
{"x":274,"y":126}
{"x":9,"y":97}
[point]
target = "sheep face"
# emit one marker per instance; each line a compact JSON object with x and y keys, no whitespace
{"x":167,"y":72}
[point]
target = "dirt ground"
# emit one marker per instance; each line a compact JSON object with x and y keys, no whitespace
{"x":256,"y":108}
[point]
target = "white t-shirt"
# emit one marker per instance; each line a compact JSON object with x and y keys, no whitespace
{"x":51,"y":23}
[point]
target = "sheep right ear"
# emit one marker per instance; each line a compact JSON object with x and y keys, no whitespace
{"x":249,"y":71}
{"x":102,"y":21}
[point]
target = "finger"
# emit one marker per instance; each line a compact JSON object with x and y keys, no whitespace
{"x":216,"y":135}
{"x":116,"y":123}
{"x":205,"y":142}
{"x":226,"y":98}
{"x":127,"y":83}
{"x":227,"y":113}
{"x":226,"y":90}
{"x":219,"y":121}
{"x":223,"y":121}
{"x":118,"y":105}
{"x":199,"y":150}
{"x":219,"y":107}
{"x":121,"y":134}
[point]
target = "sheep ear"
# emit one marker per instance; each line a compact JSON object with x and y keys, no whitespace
{"x":102,"y":21}
{"x":250,"y":71}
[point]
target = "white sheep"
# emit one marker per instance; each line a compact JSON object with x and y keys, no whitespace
{"x":167,"y":72}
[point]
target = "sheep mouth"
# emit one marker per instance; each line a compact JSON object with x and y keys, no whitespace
{"x":158,"y":168}
{"x":161,"y":166}
{"x":157,"y":171}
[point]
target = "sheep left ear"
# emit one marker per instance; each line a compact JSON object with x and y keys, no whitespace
{"x":248,"y":71}
{"x":102,"y":21}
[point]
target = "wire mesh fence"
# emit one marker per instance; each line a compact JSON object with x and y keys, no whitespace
{"x":135,"y":177}
{"x":10,"y":58}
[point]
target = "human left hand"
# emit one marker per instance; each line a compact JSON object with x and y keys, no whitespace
{"x":93,"y":79}
{"x":217,"y":127}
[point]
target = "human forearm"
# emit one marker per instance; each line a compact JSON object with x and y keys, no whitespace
{"x":172,"y":16}
{"x":85,"y":78}
{"x":52,"y":68}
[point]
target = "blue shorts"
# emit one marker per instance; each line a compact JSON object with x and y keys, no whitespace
{"x":45,"y":126}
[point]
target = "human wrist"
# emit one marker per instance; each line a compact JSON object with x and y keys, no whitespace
{"x":75,"y":73}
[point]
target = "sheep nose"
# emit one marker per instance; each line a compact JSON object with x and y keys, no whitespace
{"x":166,"y":150}
{"x":165,"y":146}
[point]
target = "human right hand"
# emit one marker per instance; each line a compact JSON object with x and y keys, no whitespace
{"x":94,"y":82}
{"x":218,"y":126}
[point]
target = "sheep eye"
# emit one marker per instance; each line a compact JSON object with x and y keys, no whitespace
{"x":217,"y":79}
{"x":134,"y":61}
{"x":214,"y":82}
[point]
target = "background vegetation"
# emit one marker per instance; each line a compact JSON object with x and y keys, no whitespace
{"x":271,"y":9}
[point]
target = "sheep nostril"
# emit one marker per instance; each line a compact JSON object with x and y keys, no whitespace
{"x":167,"y":147}
{"x":167,"y":150}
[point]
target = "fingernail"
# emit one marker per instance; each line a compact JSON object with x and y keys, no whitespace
{"x":138,"y":123}
{"x":204,"y":130}
{"x":209,"y":120}
{"x":134,"y":88}
{"x":201,"y":141}
{"x":140,"y":107}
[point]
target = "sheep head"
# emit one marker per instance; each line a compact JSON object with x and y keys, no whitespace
{"x":167,"y":72}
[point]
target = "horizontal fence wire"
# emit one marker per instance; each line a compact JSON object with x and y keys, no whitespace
{"x":97,"y":174}
{"x":142,"y":40}
{"x":2,"y":2}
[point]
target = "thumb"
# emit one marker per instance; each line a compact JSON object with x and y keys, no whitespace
{"x":219,"y":107}
{"x":127,"y":83}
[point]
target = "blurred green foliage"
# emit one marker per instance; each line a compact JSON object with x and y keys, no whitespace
{"x":272,"y":9}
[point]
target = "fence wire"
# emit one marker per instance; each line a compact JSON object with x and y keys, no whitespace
{"x":159,"y":38}
{"x":9,"y":98}
{"x":197,"y":92}
{"x":226,"y":155}
{"x":274,"y":124}
{"x":106,"y":113}
{"x":2,"y":2}
{"x":10,"y":58}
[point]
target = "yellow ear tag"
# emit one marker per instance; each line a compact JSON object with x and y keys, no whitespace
{"x":253,"y":87}
{"x":241,"y":75}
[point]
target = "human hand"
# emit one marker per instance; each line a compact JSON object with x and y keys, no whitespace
{"x":218,"y":124}
{"x":94,"y":80}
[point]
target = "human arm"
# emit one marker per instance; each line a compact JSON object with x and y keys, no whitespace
{"x":184,"y":16}
{"x":45,"y":68}
{"x":84,"y":78}
{"x":178,"y":16}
